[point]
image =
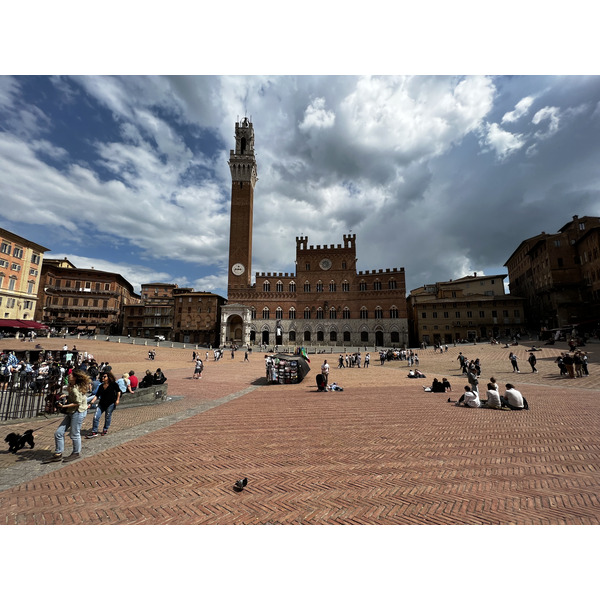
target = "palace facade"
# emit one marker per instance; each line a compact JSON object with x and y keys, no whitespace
{"x":324,"y":302}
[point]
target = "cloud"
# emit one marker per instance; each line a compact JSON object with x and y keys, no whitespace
{"x":550,"y":114}
{"x":316,"y":117}
{"x":522,"y":108}
{"x":502,"y":142}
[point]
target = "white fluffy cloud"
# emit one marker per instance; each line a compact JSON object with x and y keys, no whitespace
{"x":521,"y":108}
{"x":316,"y":116}
{"x":502,"y":142}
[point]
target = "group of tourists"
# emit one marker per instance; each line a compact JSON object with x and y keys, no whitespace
{"x":353,"y":360}
{"x":512,"y":399}
{"x":573,"y":364}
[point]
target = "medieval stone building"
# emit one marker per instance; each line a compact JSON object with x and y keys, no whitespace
{"x":325,"y":302}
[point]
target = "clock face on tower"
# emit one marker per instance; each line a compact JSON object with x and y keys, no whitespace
{"x":238,"y":269}
{"x":325,"y":264}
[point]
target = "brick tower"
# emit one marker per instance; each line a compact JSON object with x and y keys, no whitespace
{"x":242,"y":164}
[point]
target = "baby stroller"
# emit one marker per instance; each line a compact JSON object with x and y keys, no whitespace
{"x":320,"y":383}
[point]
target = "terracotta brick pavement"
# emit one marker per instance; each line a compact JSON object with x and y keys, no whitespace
{"x":381,"y":452}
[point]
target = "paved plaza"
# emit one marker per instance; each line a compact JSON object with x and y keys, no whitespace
{"x":381,"y":452}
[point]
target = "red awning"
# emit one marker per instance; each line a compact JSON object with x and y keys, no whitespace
{"x":19,"y":324}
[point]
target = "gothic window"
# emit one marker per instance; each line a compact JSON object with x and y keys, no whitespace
{"x":306,"y":286}
{"x":362,"y":286}
{"x":307,"y":313}
{"x":253,"y":312}
{"x":267,"y":286}
{"x":364,"y":313}
{"x":333,"y":336}
{"x":346,"y":313}
{"x":292,"y":286}
{"x":364,"y":336}
{"x":393,"y":313}
{"x":332,"y":313}
{"x":345,"y":286}
{"x":279,"y":286}
{"x":320,"y":286}
{"x":392,"y":284}
{"x":379,"y":313}
{"x":307,"y":336}
{"x":320,"y":336}
{"x":346,"y":336}
{"x":395,"y":337}
{"x":377,"y":285}
{"x":265,"y":313}
{"x":319,"y":313}
{"x":332,"y":286}
{"x":279,"y":313}
{"x":292,"y":313}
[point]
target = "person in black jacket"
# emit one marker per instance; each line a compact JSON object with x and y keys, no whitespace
{"x":159,"y":377}
{"x":108,"y":396}
{"x":147,"y":381}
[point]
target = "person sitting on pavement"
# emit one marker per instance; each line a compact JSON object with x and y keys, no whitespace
{"x":470,"y":399}
{"x":446,"y":384}
{"x":493,"y":396}
{"x":513,"y":399}
{"x":436,"y":387}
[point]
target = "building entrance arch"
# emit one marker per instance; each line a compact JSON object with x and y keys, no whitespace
{"x":379,"y":338}
{"x":235,"y":329}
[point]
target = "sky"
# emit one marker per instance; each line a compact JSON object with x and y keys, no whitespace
{"x":442,"y":175}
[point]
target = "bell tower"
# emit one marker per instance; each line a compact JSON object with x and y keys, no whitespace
{"x":242,"y":164}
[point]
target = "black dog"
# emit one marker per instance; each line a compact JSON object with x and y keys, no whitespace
{"x":16,"y":441}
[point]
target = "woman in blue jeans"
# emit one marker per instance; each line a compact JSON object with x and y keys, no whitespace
{"x":76,"y":411}
{"x":108,"y":396}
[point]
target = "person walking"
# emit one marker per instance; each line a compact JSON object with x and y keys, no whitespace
{"x":76,"y":409}
{"x":198,"y":369}
{"x":513,"y":361}
{"x":532,"y":361}
{"x":108,"y":396}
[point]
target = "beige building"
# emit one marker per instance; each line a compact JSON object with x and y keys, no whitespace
{"x":20,"y":267}
{"x":469,"y":308}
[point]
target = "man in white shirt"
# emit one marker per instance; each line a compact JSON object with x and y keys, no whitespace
{"x":469,"y":398}
{"x":325,"y":371}
{"x":512,"y":398}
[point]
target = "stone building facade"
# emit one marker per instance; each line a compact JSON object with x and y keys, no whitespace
{"x":554,"y":273}
{"x":470,"y":308}
{"x":177,"y":314}
{"x":325,"y":302}
{"x":20,"y":267}
{"x":85,"y":300}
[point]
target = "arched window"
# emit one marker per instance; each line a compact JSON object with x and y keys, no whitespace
{"x":279,"y":313}
{"x":345,"y":286}
{"x":292,"y":313}
{"x":392,"y":284}
{"x":279,"y":286}
{"x":346,"y":336}
{"x":332,"y":286}
{"x":379,"y":313}
{"x":253,"y":312}
{"x":364,"y":313}
{"x":292,"y":336}
{"x":320,"y":336}
{"x":362,"y":286}
{"x":332,"y":313}
{"x":319,"y":286}
{"x":292,"y":286}
{"x":306,"y":286}
{"x":319,"y":313}
{"x":265,"y":313}
{"x":307,"y":336}
{"x":377,"y":285}
{"x":307,"y":313}
{"x":346,"y":313}
{"x":333,"y":336}
{"x":267,"y":286}
{"x":393,"y":313}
